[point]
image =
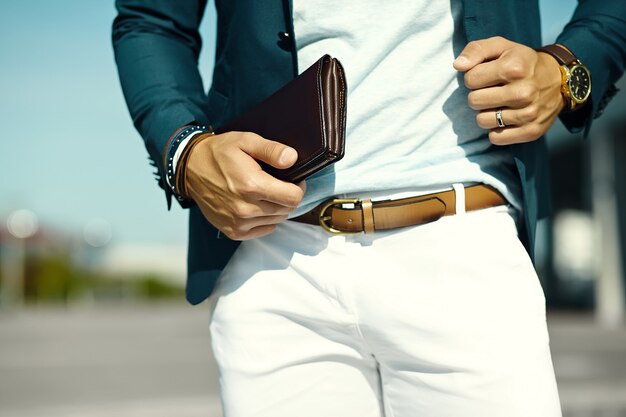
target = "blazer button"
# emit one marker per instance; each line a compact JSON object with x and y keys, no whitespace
{"x":285,"y":41}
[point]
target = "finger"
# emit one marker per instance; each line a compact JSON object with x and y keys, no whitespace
{"x":516,"y":65}
{"x":483,"y":75}
{"x":261,"y":231}
{"x":480,"y":51}
{"x":252,"y":233}
{"x":264,"y":221}
{"x":517,"y":95}
{"x":259,"y":208}
{"x":487,"y":119}
{"x":271,"y":152}
{"x":250,"y":229}
{"x":302,"y":185}
{"x":511,"y":117}
{"x":267,"y":188}
{"x":516,"y":134}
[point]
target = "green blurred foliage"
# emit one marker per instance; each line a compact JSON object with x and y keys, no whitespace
{"x":154,"y":287}
{"x":56,"y":278}
{"x":48,"y":279}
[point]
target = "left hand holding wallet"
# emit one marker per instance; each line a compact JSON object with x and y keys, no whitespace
{"x":242,"y":181}
{"x":231,"y":189}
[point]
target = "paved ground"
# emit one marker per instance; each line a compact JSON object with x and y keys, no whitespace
{"x":155,"y":361}
{"x":590,"y":364}
{"x":149,"y":361}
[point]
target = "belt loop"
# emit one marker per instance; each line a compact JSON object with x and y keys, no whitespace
{"x":368,"y":216}
{"x":459,"y":197}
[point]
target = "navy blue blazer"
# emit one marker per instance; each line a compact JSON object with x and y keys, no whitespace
{"x":156,"y":44}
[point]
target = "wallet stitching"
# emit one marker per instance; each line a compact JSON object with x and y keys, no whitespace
{"x":342,"y":109}
{"x":320,"y":101}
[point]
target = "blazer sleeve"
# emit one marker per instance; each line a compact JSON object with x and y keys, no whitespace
{"x":156,"y":45}
{"x":596,"y":34}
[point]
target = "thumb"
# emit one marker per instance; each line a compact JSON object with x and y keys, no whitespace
{"x":271,"y":152}
{"x":477,"y":52}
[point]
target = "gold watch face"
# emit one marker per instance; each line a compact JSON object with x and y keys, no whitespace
{"x":579,"y":83}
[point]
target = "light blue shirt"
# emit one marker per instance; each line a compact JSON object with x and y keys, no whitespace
{"x":409,"y":127}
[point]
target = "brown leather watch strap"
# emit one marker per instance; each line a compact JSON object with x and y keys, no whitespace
{"x":367,"y":216}
{"x":562,"y":55}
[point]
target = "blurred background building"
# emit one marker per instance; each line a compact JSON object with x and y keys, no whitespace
{"x":582,"y":246}
{"x":92,"y":316}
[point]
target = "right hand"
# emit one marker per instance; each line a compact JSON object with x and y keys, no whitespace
{"x":234,"y":194}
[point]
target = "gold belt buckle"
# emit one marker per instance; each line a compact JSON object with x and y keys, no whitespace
{"x":324,"y":218}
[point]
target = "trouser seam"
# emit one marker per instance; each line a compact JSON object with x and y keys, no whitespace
{"x":383,"y":396}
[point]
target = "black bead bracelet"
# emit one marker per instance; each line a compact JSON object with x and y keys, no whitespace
{"x":171,"y":151}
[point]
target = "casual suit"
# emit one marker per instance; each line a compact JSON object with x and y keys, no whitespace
{"x":157,"y":45}
{"x":443,"y":319}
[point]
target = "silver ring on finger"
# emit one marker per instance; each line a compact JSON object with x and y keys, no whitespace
{"x":499,"y":118}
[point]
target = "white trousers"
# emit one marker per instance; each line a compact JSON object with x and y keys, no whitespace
{"x":443,"y":319}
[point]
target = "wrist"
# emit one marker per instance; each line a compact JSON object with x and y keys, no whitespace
{"x":183,"y":164}
{"x":575,"y":77}
{"x":174,"y":150}
{"x":554,"y":76}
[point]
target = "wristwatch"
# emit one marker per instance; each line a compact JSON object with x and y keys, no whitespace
{"x":575,"y":77}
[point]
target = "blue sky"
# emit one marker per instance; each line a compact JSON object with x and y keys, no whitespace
{"x":68,"y":150}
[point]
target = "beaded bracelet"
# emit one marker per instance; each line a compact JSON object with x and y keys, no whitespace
{"x":173,"y":145}
{"x":181,"y":166}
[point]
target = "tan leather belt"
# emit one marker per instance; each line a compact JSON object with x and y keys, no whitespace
{"x":352,"y":215}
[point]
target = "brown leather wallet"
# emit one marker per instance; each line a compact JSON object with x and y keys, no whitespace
{"x":308,"y":114}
